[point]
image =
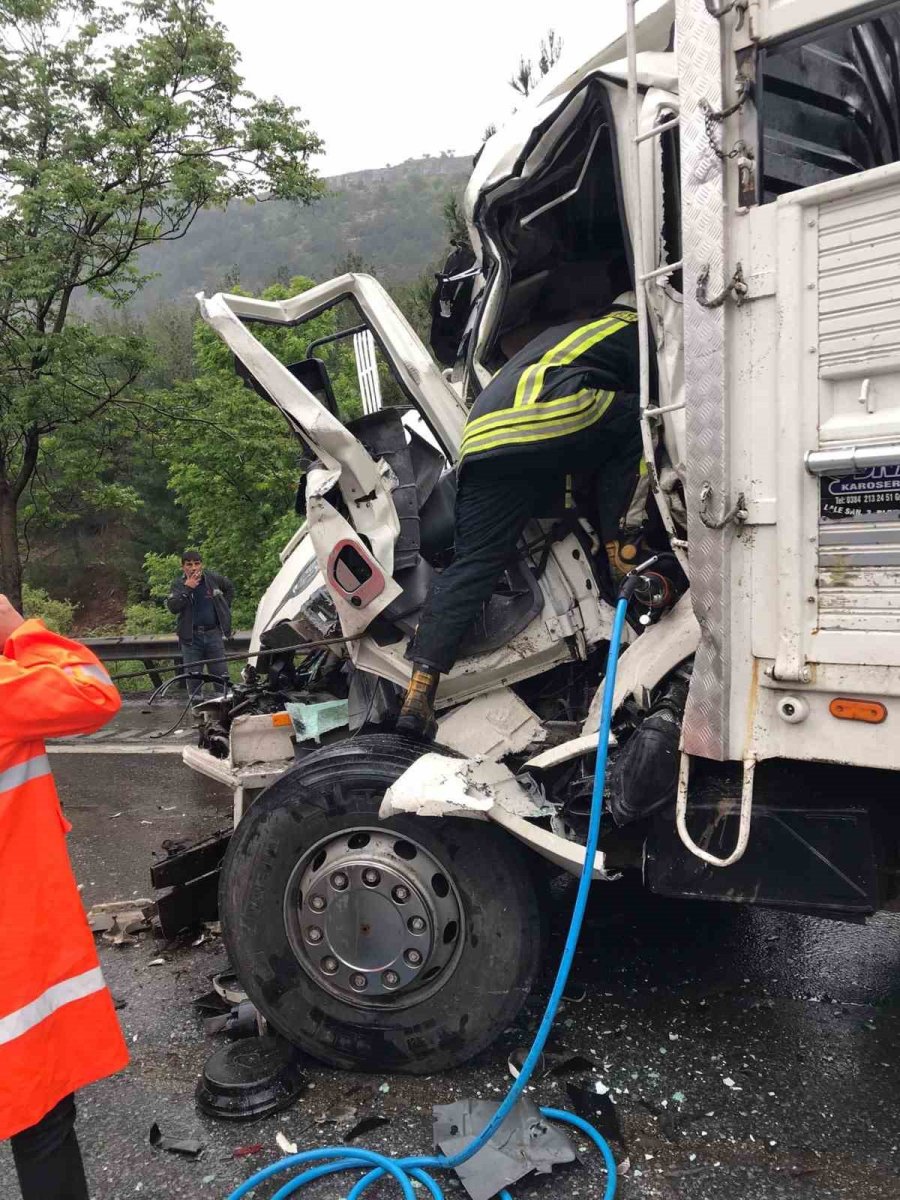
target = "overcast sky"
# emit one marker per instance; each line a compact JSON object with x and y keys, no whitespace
{"x":387,"y":80}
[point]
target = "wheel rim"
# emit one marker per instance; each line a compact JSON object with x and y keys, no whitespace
{"x":374,"y":918}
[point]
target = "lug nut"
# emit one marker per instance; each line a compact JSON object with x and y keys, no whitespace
{"x":317,"y":903}
{"x":329,"y":965}
{"x":371,"y":877}
{"x":413,"y":957}
{"x":400,"y":893}
{"x":390,"y":979}
{"x":339,"y":881}
{"x":359,"y":982}
{"x":416,"y":924}
{"x":314,"y":934}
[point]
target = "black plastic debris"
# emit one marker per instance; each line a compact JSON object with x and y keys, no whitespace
{"x":556,"y":1059}
{"x":177,"y":1144}
{"x":240,"y":1021}
{"x":227,"y":986}
{"x":211,"y":1004}
{"x":526,"y":1143}
{"x":366,"y":1125}
{"x":249,"y":1079}
{"x":593,"y":1102}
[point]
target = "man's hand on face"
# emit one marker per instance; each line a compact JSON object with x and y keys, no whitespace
{"x":10,"y":620}
{"x":192,"y":573}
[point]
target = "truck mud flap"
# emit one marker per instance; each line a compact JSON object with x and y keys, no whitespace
{"x":816,"y":860}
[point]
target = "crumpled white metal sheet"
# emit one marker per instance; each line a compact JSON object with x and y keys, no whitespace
{"x":438,"y":786}
{"x":491,"y":726}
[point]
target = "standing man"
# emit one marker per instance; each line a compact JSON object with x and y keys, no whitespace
{"x":58,"y":1029}
{"x":202,"y":601}
{"x":565,"y":404}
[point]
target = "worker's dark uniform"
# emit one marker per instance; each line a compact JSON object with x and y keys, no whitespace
{"x":566,"y":404}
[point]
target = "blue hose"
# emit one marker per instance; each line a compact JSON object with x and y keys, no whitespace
{"x":335,"y":1159}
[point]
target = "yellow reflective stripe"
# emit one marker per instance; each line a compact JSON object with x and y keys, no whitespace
{"x":534,"y":412}
{"x":567,"y":348}
{"x":565,"y":352}
{"x":539,"y":431}
{"x":532,"y":436}
{"x":543,"y":414}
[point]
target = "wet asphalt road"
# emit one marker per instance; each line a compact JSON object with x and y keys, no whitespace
{"x":670,"y":1000}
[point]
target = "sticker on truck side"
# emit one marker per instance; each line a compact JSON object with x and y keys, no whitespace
{"x":873,"y":490}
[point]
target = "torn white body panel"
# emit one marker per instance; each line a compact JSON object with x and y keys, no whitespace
{"x":529,"y":653}
{"x":642,"y":665}
{"x":491,"y":726}
{"x":327,"y":529}
{"x":259,"y":739}
{"x":438,"y":786}
{"x":659,"y":650}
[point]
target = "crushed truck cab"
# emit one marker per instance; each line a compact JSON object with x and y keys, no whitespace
{"x":745,"y":161}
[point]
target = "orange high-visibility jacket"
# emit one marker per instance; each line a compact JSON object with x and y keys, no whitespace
{"x":58,"y":1029}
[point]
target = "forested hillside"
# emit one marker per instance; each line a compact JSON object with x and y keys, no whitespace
{"x":389,"y":218}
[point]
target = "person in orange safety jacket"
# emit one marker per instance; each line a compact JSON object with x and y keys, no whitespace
{"x":58,"y":1028}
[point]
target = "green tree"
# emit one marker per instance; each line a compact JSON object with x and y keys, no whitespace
{"x":116,"y":129}
{"x":526,"y":77}
{"x":455,"y":221}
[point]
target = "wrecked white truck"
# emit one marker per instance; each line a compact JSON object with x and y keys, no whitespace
{"x":381,"y":899}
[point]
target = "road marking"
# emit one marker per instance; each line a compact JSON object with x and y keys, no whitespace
{"x":126,"y":748}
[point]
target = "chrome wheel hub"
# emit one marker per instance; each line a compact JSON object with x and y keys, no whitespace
{"x":373,"y":917}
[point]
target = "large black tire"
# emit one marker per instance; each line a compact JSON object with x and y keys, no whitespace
{"x":485,"y":961}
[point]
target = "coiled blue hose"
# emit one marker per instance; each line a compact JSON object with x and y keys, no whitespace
{"x":336,"y":1159}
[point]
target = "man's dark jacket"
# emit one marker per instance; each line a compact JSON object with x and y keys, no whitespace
{"x":181,"y":601}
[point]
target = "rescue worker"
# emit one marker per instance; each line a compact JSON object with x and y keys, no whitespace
{"x":565,"y":404}
{"x":58,"y":1028}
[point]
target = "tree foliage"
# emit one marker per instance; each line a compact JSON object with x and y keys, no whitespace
{"x":58,"y":615}
{"x":117,"y":127}
{"x":528,"y":74}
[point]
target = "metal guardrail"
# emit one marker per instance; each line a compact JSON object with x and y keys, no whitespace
{"x":149,"y":648}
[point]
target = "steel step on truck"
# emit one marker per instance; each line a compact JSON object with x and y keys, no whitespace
{"x":382,"y":899}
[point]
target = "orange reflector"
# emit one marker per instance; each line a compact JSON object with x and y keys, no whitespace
{"x":869,"y":711}
{"x":281,"y":720}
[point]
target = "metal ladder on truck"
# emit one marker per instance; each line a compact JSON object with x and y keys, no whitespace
{"x":651,"y":414}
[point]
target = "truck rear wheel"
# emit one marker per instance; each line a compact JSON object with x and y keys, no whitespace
{"x":401,"y":945}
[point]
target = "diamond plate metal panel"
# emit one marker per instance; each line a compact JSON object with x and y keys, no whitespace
{"x":702,"y":178}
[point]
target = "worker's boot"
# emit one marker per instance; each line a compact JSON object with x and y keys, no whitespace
{"x":417,"y":713}
{"x":644,"y":776}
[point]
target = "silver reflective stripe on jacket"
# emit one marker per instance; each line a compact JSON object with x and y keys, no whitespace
{"x":91,"y":669}
{"x":24,"y":772}
{"x":51,"y":1001}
